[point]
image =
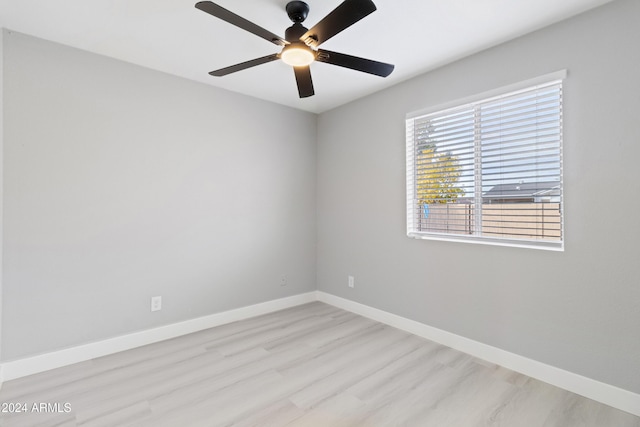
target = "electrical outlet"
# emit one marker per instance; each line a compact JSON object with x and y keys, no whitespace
{"x":156,"y":303}
{"x":283,"y":280}
{"x":352,"y":282}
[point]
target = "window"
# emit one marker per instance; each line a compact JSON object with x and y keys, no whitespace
{"x":489,"y":170}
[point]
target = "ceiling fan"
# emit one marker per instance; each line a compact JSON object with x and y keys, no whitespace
{"x":300,"y":45}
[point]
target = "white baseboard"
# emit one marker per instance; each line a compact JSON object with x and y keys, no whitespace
{"x":44,"y":362}
{"x":592,"y":389}
{"x":609,"y":395}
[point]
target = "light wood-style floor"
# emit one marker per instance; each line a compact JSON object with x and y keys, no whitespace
{"x":312,"y":365}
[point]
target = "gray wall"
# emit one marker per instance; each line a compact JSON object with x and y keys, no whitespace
{"x":1,"y":173}
{"x":122,"y":183}
{"x":577,"y":309}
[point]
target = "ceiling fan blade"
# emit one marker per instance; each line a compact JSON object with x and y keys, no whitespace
{"x":355,"y":63}
{"x":244,"y":65}
{"x":342,"y":17}
{"x":303,"y":78}
{"x":230,"y":17}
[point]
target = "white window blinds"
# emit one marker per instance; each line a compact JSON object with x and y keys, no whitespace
{"x":489,"y":170}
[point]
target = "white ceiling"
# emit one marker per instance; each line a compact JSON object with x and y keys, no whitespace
{"x":175,"y":37}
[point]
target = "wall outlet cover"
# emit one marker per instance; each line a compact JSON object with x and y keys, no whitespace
{"x":156,"y":303}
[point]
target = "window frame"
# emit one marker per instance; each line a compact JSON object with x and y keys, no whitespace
{"x":557,"y":77}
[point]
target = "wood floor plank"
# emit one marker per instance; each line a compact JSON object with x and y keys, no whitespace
{"x":311,"y":365}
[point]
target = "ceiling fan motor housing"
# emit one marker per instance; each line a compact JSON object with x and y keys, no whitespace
{"x":294,"y":32}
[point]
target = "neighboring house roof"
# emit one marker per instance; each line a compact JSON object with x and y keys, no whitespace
{"x":523,"y":190}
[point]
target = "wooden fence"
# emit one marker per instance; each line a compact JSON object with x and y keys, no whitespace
{"x":538,"y":221}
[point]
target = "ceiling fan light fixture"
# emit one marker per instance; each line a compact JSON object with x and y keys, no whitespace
{"x":297,"y":55}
